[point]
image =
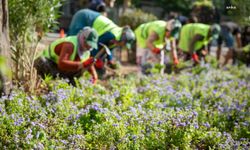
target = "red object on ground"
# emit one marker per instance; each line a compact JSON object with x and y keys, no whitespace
{"x":195,"y":57}
{"x":62,"y":34}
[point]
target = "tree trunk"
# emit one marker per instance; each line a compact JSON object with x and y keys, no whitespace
{"x":5,"y":46}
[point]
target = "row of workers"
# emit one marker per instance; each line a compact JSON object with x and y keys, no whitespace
{"x":90,"y":32}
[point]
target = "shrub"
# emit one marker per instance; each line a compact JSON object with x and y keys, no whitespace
{"x":135,"y":18}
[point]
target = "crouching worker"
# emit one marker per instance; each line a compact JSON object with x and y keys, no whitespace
{"x":194,"y":38}
{"x":69,"y":57}
{"x":110,"y":34}
{"x":151,"y":38}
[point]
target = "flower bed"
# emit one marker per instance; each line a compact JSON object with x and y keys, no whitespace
{"x":193,"y":110}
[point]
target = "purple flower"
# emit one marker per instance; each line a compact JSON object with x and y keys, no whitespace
{"x":214,"y":92}
{"x":62,"y":94}
{"x":118,"y":117}
{"x":195,"y":113}
{"x":116,"y":94}
{"x":134,"y":137}
{"x":39,"y":146}
{"x":159,"y":122}
{"x":96,"y":106}
{"x":115,"y":124}
{"x":206,"y":125}
{"x":64,"y":142}
{"x":182,"y":124}
{"x":196,"y":126}
{"x":19,"y":121}
{"x":41,"y":126}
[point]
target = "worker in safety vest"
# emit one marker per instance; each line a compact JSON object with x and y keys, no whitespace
{"x":109,"y":33}
{"x":69,"y":57}
{"x":151,"y":39}
{"x":230,"y":34}
{"x":195,"y":37}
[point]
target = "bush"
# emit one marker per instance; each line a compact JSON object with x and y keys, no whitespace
{"x":28,"y":21}
{"x":135,"y":18}
{"x":204,"y":11}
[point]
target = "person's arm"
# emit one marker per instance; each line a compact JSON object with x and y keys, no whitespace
{"x":64,"y":63}
{"x":174,"y":52}
{"x":153,"y":36}
{"x":219,"y":43}
{"x":93,"y":73}
{"x":238,"y":40}
{"x":191,"y":47}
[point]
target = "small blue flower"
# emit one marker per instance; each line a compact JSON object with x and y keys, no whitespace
{"x":206,"y":125}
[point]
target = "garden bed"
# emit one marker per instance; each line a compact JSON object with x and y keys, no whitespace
{"x":192,"y":110}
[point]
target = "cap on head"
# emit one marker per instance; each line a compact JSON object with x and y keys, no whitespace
{"x":174,"y":27}
{"x":128,"y":37}
{"x":215,"y":30}
{"x":90,"y":36}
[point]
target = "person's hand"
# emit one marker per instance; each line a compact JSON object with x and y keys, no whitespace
{"x":176,"y":61}
{"x":94,"y":80}
{"x":93,"y":73}
{"x":99,"y":64}
{"x":156,"y":50}
{"x":195,"y":58}
{"x":88,"y":62}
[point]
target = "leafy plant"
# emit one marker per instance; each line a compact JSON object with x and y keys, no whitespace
{"x":28,"y":21}
{"x":136,"y":18}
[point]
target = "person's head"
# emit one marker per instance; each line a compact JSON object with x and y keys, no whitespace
{"x":173,"y":28}
{"x":127,"y":37}
{"x":214,"y":32}
{"x":97,"y":5}
{"x":87,"y":39}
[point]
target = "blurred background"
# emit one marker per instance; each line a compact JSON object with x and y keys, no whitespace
{"x":205,"y":11}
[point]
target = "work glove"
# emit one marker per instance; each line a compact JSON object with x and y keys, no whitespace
{"x":176,"y":61}
{"x":99,"y":64}
{"x":94,"y":78}
{"x":88,"y":62}
{"x":195,"y":58}
{"x":156,"y":50}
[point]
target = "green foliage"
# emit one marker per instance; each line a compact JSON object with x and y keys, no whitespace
{"x":4,"y":73}
{"x":3,"y":68}
{"x":204,"y":11}
{"x":32,"y":14}
{"x":176,"y":5}
{"x":203,"y":3}
{"x":240,"y":12}
{"x":28,"y":21}
{"x":136,"y":18}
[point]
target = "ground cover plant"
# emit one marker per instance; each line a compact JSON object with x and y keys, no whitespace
{"x":195,"y":109}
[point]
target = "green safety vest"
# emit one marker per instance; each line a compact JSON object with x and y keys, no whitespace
{"x":50,"y":51}
{"x":143,"y":31}
{"x":189,"y":31}
{"x":102,"y":25}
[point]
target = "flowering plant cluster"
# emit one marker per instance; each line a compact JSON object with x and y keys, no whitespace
{"x":208,"y":109}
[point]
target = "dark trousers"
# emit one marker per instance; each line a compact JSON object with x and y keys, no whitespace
{"x":45,"y":66}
